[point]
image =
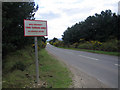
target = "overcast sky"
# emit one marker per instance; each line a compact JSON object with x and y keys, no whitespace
{"x":61,"y":14}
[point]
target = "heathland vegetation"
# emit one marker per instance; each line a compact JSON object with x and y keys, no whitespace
{"x":97,"y":32}
{"x":19,"y":70}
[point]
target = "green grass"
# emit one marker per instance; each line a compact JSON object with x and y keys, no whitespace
{"x":53,"y":72}
{"x":19,"y":70}
{"x":93,"y":51}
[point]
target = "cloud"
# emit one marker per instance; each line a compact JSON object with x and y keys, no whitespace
{"x":74,"y":11}
{"x":61,"y":14}
{"x":48,"y":16}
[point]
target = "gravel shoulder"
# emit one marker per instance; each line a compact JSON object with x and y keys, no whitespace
{"x":81,"y":79}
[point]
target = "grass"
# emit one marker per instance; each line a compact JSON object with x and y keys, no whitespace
{"x":93,"y":51}
{"x":53,"y":72}
{"x":19,"y":70}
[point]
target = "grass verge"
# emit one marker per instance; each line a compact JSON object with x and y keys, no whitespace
{"x":19,"y":70}
{"x":53,"y":72}
{"x":94,"y":51}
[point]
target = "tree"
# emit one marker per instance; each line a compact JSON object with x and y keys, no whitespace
{"x":13,"y":15}
{"x":100,"y":27}
{"x":55,"y":39}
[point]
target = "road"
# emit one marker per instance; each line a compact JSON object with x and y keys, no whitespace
{"x":102,"y":67}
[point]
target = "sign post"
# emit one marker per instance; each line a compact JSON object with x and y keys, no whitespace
{"x":36,"y":61}
{"x":35,"y":28}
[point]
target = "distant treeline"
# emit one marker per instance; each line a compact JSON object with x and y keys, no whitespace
{"x":99,"y":27}
{"x":13,"y":15}
{"x":97,"y":32}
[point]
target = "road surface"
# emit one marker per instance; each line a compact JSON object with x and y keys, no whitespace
{"x":102,"y":67}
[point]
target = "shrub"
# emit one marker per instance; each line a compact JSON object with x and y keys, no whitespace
{"x":85,"y":46}
{"x":7,"y":48}
{"x":51,"y":43}
{"x":75,"y":45}
{"x":19,"y":66}
{"x":111,"y":45}
{"x":61,"y":43}
{"x":82,"y":40}
{"x":55,"y":44}
{"x":43,"y":44}
{"x":96,"y":44}
{"x":90,"y":45}
{"x":58,"y":43}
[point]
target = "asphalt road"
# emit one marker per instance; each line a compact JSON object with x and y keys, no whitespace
{"x":102,"y":67}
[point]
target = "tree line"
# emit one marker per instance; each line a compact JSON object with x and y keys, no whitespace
{"x":99,"y":27}
{"x":13,"y":15}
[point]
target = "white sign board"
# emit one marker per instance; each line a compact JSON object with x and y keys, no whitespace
{"x":35,"y":28}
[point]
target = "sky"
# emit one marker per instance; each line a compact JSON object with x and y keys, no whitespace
{"x":61,"y":14}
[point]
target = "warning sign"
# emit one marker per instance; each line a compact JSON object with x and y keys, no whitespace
{"x":35,"y":28}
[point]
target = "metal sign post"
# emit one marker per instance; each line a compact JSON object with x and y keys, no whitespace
{"x":36,"y":60}
{"x":34,"y":28}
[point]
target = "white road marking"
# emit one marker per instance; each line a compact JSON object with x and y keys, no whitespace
{"x":88,"y":57}
{"x":99,"y":80}
{"x":69,"y":52}
{"x":117,"y":65}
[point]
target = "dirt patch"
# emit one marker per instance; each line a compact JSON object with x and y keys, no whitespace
{"x":81,"y":79}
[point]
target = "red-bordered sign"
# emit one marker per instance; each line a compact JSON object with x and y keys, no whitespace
{"x":35,"y":28}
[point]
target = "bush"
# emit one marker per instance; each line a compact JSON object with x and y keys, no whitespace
{"x":111,"y":45}
{"x":51,"y":42}
{"x":96,"y":44}
{"x":19,"y":66}
{"x":82,"y":40}
{"x":38,"y":46}
{"x":43,"y":44}
{"x":85,"y":45}
{"x":58,"y":43}
{"x":74,"y":45}
{"x":7,"y":48}
{"x":18,"y":60}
